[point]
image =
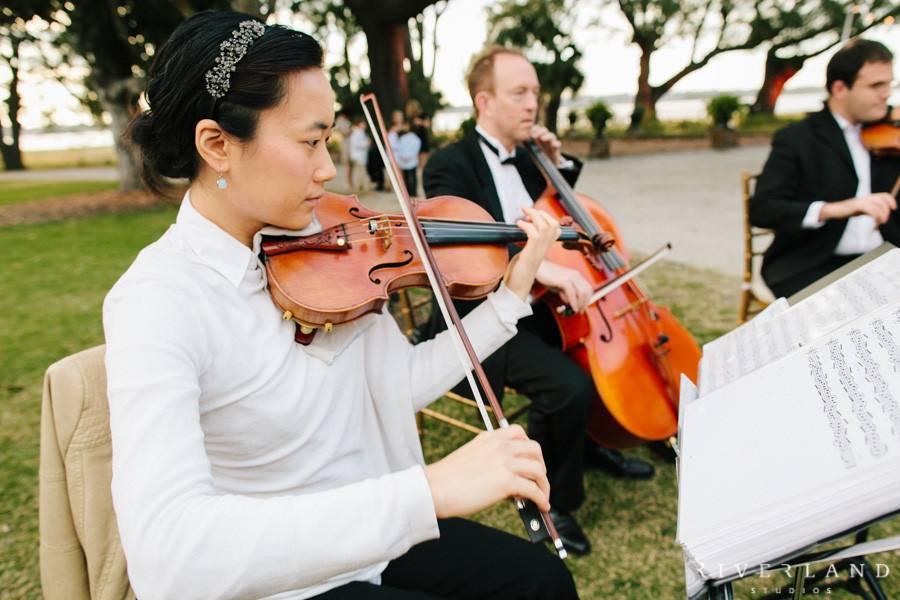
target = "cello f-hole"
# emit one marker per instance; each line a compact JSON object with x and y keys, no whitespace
{"x":607,"y":336}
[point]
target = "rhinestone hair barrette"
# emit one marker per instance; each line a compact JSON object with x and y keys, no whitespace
{"x":231,"y":51}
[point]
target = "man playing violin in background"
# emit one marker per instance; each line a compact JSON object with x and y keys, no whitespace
{"x":487,"y":167}
{"x":825,"y":195}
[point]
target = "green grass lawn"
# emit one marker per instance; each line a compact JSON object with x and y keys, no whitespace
{"x":54,"y":279}
{"x":24,"y":190}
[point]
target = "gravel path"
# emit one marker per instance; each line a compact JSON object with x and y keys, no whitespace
{"x":689,"y":198}
{"x":692,"y":199}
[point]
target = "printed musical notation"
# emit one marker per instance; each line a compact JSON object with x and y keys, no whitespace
{"x":781,"y":329}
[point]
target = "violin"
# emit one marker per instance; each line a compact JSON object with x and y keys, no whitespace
{"x":634,"y":350}
{"x":350,"y":267}
{"x":367,"y":255}
{"x":883,"y":136}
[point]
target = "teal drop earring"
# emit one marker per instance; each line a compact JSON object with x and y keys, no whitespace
{"x":221,"y":183}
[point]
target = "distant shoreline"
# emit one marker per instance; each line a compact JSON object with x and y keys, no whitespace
{"x":672,"y":107}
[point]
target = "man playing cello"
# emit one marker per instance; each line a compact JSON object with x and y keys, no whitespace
{"x":486,"y":167}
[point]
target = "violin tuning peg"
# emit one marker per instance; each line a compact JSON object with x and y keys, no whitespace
{"x":329,"y":326}
{"x":287,"y":315}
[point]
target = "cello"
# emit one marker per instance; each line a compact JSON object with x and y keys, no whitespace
{"x":634,"y":350}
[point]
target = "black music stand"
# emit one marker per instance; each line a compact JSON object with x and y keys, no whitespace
{"x":721,"y":589}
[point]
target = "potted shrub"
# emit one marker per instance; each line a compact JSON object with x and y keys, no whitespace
{"x":573,"y":120}
{"x":599,"y":114}
{"x":722,"y":108}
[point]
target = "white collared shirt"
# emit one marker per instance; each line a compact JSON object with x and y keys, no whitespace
{"x":861,"y":233}
{"x":245,"y":464}
{"x":510,"y":190}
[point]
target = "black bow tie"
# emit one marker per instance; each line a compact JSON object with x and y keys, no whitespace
{"x":509,"y":160}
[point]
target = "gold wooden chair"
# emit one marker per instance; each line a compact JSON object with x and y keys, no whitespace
{"x":411,"y":307}
{"x":755,"y":296}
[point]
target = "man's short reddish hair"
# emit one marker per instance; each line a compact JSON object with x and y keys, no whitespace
{"x":481,"y":71}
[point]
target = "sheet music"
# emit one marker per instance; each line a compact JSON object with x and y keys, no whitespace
{"x":687,"y":393}
{"x":819,"y":426}
{"x":761,"y":342}
{"x":721,"y":362}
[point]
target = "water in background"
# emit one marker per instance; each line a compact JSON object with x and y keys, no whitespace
{"x":671,"y":108}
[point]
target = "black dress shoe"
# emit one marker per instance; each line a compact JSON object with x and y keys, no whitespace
{"x":663,"y":450}
{"x":616,"y":463}
{"x":570,"y":532}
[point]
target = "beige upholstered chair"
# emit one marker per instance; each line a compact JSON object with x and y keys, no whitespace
{"x":81,"y":555}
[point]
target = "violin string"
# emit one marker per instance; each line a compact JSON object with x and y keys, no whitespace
{"x":362,"y":228}
{"x":383,"y":234}
{"x":355,"y":232}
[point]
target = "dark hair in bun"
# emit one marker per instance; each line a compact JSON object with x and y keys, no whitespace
{"x":178,"y":98}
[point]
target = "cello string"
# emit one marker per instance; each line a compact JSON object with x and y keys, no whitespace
{"x":611,"y":259}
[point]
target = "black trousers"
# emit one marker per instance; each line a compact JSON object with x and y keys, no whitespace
{"x":798,"y":282}
{"x":561,"y":395}
{"x":468,"y":561}
{"x":411,"y":181}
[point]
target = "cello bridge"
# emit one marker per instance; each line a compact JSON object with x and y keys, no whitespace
{"x":634,"y":306}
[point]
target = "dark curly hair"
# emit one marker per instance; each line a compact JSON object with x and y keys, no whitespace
{"x":178,"y":99}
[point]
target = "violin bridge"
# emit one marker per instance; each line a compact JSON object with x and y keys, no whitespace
{"x":382,"y":228}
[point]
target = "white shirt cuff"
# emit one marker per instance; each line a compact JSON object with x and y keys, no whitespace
{"x":811,"y":220}
{"x":421,"y":519}
{"x":509,"y":307}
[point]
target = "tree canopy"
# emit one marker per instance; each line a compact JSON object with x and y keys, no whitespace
{"x":543,"y":30}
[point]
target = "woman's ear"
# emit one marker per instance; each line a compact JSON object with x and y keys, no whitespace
{"x":212,"y":145}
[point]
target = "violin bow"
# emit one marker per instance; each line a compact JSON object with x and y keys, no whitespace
{"x":538,"y":524}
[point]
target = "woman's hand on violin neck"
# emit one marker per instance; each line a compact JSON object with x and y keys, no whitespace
{"x":571,"y":285}
{"x":494,"y":466}
{"x":542,"y":231}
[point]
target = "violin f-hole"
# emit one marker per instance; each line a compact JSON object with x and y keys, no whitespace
{"x":391,"y":265}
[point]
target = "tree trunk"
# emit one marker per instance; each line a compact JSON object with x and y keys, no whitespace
{"x":551,"y":111}
{"x":778,"y":72}
{"x":386,"y":32}
{"x":119,"y":99}
{"x":644,"y":102}
{"x":387,"y":53}
{"x":11,"y":153}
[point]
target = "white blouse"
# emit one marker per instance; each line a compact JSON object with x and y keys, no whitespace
{"x":245,"y":464}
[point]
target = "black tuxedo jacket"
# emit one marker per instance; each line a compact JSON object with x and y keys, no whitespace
{"x":460,"y":169}
{"x":810,"y":161}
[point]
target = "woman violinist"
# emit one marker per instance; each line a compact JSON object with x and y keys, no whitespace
{"x":245,"y":464}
